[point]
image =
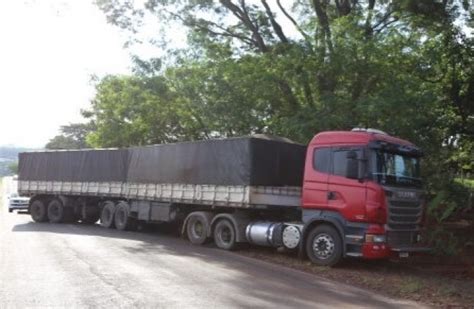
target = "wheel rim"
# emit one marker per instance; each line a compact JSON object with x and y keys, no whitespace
{"x":54,"y":211}
{"x":225,"y":235}
{"x":121,"y":216}
{"x":36,"y":210}
{"x":198,"y":229}
{"x":323,"y":246}
{"x":107,"y":215}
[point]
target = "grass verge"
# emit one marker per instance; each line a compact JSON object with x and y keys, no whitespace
{"x":403,"y":279}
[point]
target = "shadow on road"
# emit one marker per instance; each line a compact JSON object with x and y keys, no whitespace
{"x":271,"y":283}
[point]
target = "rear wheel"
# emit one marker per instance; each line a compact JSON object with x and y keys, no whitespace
{"x":196,"y":229}
{"x":224,"y":235}
{"x":107,"y":215}
{"x":38,"y":211}
{"x":56,"y":211}
{"x":324,"y":245}
{"x":122,"y":218}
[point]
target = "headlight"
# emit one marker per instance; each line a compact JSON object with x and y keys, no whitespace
{"x":375,"y":238}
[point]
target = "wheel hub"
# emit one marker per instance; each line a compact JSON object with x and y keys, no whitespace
{"x":225,"y":235}
{"x":198,"y":229}
{"x":323,"y":246}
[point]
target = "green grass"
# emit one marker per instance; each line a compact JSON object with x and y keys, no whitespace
{"x":411,"y":285}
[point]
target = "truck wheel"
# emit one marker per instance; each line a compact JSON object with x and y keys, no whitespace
{"x":10,"y":210}
{"x":121,"y":219}
{"x":107,"y":215}
{"x":224,"y":235}
{"x":38,"y":211}
{"x":56,"y":211}
{"x":196,"y":229}
{"x":324,"y":246}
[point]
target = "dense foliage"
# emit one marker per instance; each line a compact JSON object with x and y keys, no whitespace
{"x":73,"y":136}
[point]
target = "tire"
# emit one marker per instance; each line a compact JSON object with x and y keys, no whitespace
{"x":196,"y":229}
{"x":324,"y":245}
{"x":38,"y":211}
{"x":56,"y":211}
{"x":107,"y":215}
{"x":224,"y":235}
{"x":10,"y":210}
{"x":122,"y":218}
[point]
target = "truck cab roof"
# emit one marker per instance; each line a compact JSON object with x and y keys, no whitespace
{"x":335,"y":138}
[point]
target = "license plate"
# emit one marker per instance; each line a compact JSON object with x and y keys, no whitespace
{"x":403,"y":254}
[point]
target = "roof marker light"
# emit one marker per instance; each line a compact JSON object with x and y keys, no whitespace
{"x":369,"y":130}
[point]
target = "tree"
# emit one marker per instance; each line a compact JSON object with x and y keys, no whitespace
{"x":73,"y":136}
{"x":402,"y":66}
{"x":344,"y":52}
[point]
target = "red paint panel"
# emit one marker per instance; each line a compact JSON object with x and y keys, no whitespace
{"x":348,"y":198}
{"x":315,"y":187}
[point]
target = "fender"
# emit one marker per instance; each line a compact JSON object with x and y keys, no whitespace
{"x":315,"y":217}
{"x":351,"y":232}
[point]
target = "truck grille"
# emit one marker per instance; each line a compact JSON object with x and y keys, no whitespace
{"x":401,"y":238}
{"x":404,"y":215}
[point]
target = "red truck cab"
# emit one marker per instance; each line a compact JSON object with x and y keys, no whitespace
{"x":362,"y":196}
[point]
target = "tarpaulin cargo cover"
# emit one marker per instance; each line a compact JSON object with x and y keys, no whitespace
{"x":234,"y":161}
{"x":74,"y":165}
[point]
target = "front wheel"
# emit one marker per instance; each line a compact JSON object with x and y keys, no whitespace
{"x":324,"y":245}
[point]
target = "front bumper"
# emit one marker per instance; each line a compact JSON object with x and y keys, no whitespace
{"x":18,"y":207}
{"x":390,"y":243}
{"x":383,"y":251}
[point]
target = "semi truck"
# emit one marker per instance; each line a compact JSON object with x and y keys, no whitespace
{"x":346,"y":194}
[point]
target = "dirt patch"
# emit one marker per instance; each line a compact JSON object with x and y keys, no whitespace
{"x":427,"y":279}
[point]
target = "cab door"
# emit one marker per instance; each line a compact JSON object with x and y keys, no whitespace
{"x":315,"y":187}
{"x":346,"y":196}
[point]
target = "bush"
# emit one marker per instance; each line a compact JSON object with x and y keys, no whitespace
{"x":451,"y":203}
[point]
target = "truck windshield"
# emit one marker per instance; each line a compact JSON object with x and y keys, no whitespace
{"x":397,"y":169}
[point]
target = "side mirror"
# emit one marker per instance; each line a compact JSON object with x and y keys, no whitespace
{"x":352,"y":168}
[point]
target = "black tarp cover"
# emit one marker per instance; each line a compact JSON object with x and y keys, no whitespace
{"x":234,"y":161}
{"x":74,"y":165}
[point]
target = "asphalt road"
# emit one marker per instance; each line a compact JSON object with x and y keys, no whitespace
{"x":66,"y":265}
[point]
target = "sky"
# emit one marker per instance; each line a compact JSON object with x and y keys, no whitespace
{"x":49,"y":50}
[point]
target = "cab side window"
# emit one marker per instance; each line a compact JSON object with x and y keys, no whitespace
{"x":339,"y":165}
{"x":322,"y":160}
{"x":340,"y":159}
